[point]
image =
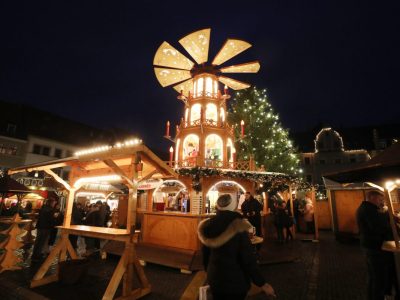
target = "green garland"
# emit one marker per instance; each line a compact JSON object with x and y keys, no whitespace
{"x":271,"y":182}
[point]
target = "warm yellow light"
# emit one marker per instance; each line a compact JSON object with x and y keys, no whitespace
{"x":171,"y":149}
{"x":168,"y":56}
{"x":251,"y":67}
{"x":128,"y":143}
{"x":233,"y":83}
{"x":197,"y":44}
{"x":209,"y":86}
{"x":92,"y":150}
{"x":84,"y":194}
{"x":168,"y":77}
{"x":389,"y":185}
{"x":242,"y":122}
{"x":231,"y":48}
{"x":106,"y":178}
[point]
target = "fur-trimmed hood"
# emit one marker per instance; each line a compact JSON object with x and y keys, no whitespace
{"x":237,"y":225}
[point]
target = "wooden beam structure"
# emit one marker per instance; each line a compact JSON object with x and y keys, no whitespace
{"x":116,"y":161}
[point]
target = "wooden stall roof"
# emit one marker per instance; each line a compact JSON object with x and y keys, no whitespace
{"x":120,"y":156}
{"x":7,"y":184}
{"x":382,"y":167}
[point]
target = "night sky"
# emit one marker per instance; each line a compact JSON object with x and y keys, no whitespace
{"x":331,"y":62}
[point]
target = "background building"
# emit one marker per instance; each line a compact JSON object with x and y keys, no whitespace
{"x":29,"y":135}
{"x":329,"y":156}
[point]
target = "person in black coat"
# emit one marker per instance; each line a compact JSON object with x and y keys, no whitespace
{"x":44,"y":225}
{"x":228,"y":255}
{"x":251,"y":210}
{"x":76,"y":219}
{"x":374,"y":227}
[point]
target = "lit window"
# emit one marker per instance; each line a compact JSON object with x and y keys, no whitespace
{"x":195,"y":112}
{"x":209,"y":86}
{"x":190,"y":146}
{"x":200,"y":87}
{"x":215,"y":86}
{"x":213,"y":147}
{"x":211,"y":112}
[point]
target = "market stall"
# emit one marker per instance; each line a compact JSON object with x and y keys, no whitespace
{"x":381,"y":172}
{"x":129,"y":163}
{"x":8,"y":188}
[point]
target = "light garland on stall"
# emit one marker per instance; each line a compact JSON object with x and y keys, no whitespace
{"x":126,"y":144}
{"x":269,"y":182}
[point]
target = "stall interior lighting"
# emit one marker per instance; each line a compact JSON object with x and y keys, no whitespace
{"x":125,"y":144}
{"x":390,"y":185}
{"x":96,"y":179}
{"x":90,"y":194}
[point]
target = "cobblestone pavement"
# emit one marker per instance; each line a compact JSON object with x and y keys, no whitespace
{"x":325,"y":270}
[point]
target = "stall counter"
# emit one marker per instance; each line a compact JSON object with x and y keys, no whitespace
{"x":172,"y":229}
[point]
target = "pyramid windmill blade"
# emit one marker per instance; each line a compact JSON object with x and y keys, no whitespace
{"x":250,"y":67}
{"x":167,"y":77}
{"x":168,"y":56}
{"x":197,"y":44}
{"x":233,"y":83}
{"x":184,"y":87}
{"x":231,"y":48}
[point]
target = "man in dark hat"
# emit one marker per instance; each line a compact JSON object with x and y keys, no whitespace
{"x":374,"y":226}
{"x":44,"y":225}
{"x":251,"y":209}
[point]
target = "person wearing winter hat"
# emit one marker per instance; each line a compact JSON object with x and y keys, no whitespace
{"x":228,"y":255}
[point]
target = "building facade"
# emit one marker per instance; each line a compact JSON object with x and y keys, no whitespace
{"x":329,"y":156}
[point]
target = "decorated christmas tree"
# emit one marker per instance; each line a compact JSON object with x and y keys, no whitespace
{"x":262,"y":135}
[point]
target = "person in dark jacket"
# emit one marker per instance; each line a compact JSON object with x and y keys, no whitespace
{"x":279,"y":216}
{"x":76,"y":219}
{"x":92,"y":219}
{"x":58,"y":216}
{"x":228,"y":255}
{"x":44,"y":225}
{"x":374,"y":227}
{"x":251,"y":210}
{"x":282,"y":221}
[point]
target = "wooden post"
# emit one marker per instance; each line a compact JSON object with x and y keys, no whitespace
{"x":132,"y":201}
{"x":149,"y":206}
{"x":316,"y":234}
{"x":396,"y":254}
{"x":68,"y":207}
{"x":292,"y":212}
{"x":388,"y":200}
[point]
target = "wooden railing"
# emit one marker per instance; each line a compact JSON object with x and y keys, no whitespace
{"x":208,"y":163}
{"x":207,"y":123}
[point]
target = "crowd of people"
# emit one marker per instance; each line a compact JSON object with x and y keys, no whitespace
{"x":374,"y":226}
{"x":178,"y":203}
{"x":229,"y":257}
{"x":51,"y":215}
